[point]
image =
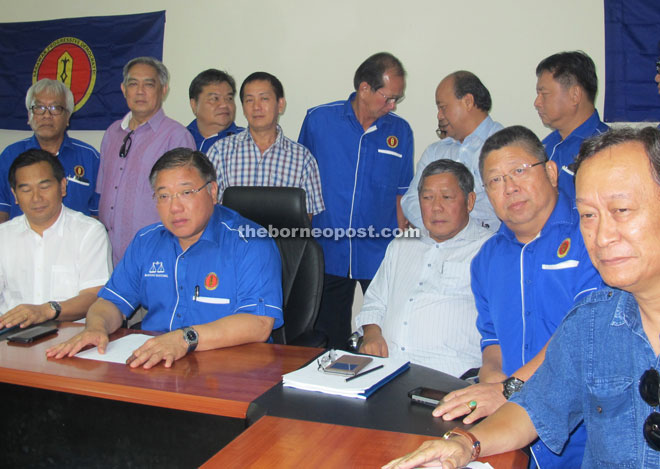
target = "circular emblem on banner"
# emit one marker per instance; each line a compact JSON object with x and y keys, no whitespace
{"x":564,"y":247}
{"x":392,"y":141}
{"x":211,"y":281}
{"x":70,"y":61}
{"x":79,"y":171}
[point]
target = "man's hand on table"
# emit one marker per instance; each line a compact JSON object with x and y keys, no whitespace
{"x":452,"y":453}
{"x":167,"y":347}
{"x":25,"y":315}
{"x":76,"y":343}
{"x":486,"y":398}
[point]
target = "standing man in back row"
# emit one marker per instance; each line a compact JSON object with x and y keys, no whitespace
{"x":365,"y":156}
{"x":566,"y":89}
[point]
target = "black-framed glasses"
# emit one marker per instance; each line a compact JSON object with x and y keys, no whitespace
{"x":390,"y":99}
{"x":649,"y":389}
{"x":53,"y":109}
{"x":187,"y":194}
{"x":126,"y":145}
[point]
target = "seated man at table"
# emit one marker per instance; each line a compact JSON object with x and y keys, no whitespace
{"x":53,"y":260}
{"x":199,"y":278}
{"x":419,"y":305}
{"x":601,"y":366}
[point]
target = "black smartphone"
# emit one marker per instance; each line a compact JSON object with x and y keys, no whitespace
{"x":427,"y":396}
{"x":32,"y":334}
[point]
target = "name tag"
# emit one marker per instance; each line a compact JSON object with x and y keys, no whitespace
{"x":211,"y":300}
{"x":390,"y":152}
{"x":570,"y":264}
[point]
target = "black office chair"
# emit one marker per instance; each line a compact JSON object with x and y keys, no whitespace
{"x":302,"y":257}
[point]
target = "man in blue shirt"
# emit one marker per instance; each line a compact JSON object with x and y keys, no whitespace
{"x":50,"y":104}
{"x":601,"y":365}
{"x":365,"y":157}
{"x":524,"y":279}
{"x":212,"y":102}
{"x":566,"y":89}
{"x":196,"y":274}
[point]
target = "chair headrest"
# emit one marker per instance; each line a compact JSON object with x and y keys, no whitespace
{"x":280,"y":207}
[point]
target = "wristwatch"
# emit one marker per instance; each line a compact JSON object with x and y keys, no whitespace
{"x":56,"y":307}
{"x":511,"y":385}
{"x":191,"y":337}
{"x":476,"y":444}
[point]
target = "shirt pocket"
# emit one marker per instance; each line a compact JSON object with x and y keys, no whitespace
{"x":387,"y":167}
{"x":610,"y":420}
{"x":63,"y":282}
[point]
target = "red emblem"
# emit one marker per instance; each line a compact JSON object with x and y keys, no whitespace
{"x":79,"y":171}
{"x":211,"y":281}
{"x":69,"y":60}
{"x":564,"y":247}
{"x":392,"y":141}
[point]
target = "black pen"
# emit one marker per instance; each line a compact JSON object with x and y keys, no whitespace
{"x":196,"y":293}
{"x":364,"y":373}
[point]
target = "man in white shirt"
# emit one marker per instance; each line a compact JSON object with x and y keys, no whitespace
{"x":463,"y":104}
{"x":420,"y":305}
{"x":53,"y":260}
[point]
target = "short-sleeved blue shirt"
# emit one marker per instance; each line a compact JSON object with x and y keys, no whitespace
{"x":591,"y":372}
{"x":523,"y":291}
{"x":223,"y":273}
{"x":81,"y":167}
{"x":204,"y":144}
{"x":362,"y":173}
{"x":563,"y":152}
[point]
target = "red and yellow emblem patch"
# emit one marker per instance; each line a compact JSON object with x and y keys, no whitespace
{"x":211,"y":281}
{"x":564,"y":247}
{"x":69,"y":60}
{"x":79,"y":171}
{"x":392,"y":141}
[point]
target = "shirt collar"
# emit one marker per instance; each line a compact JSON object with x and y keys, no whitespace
{"x":470,"y":232}
{"x":56,"y":228}
{"x":247,"y":135}
{"x":586,"y":129}
{"x":66,"y":142}
{"x":152,"y":123}
{"x":349,"y":113}
{"x":194,"y":129}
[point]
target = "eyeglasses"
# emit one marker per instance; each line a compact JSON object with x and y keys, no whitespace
{"x":391,"y":99}
{"x":53,"y":109}
{"x":441,"y":133}
{"x":326,"y":360}
{"x":649,"y":389}
{"x":126,"y":145}
{"x":516,"y":174}
{"x":165,"y":198}
{"x":657,"y":66}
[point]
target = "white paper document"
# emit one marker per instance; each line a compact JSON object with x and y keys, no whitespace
{"x":118,"y":350}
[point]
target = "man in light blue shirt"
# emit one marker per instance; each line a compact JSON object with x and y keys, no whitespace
{"x":463,"y":105}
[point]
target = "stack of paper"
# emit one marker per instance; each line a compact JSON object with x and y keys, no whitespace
{"x":311,"y":378}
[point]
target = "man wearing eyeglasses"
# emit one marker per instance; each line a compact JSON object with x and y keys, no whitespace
{"x":566,"y":89}
{"x":202,"y":282}
{"x":524,"y":279}
{"x":50,"y":104}
{"x":464,"y":124}
{"x":129,"y":149}
{"x":601,"y":366}
{"x":365,"y":157}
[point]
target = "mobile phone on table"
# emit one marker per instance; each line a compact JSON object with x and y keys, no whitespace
{"x":427,"y":396}
{"x":32,"y":334}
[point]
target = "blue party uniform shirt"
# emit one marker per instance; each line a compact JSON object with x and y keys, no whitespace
{"x":81,"y":167}
{"x":563,"y":152}
{"x":204,"y":144}
{"x":223,"y":273}
{"x":362,"y":173}
{"x":523,"y":291}
{"x":591,"y":372}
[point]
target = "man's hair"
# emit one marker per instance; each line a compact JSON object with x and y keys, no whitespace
{"x":516,"y":135}
{"x":467,"y":82}
{"x":180,"y":157}
{"x":161,"y":69}
{"x":649,"y":137}
{"x":211,"y":76}
{"x":570,"y":68}
{"x":34,"y":156}
{"x":264,"y":76}
{"x":50,"y":86}
{"x":459,"y":170}
{"x":371,"y":70}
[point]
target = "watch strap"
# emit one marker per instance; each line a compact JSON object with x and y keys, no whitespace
{"x":191,"y":341}
{"x":476,"y":444}
{"x":511,"y":386}
{"x":57,"y":308}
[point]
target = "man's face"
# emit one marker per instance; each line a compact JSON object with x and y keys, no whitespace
{"x":185,"y":217}
{"x":379,"y":102}
{"x":553,"y":102}
{"x":143,"y":91}
{"x":39,"y":194}
{"x":261,"y":107}
{"x":525,"y":203}
{"x":619,"y":206}
{"x":451,"y":110}
{"x":445,"y":210}
{"x":48,"y":126}
{"x":215,"y":105}
{"x":657,"y":73}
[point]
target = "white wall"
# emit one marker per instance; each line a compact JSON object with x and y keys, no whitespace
{"x":314,"y":47}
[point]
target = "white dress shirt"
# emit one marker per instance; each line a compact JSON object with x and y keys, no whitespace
{"x":72,"y":255}
{"x":422,"y":300}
